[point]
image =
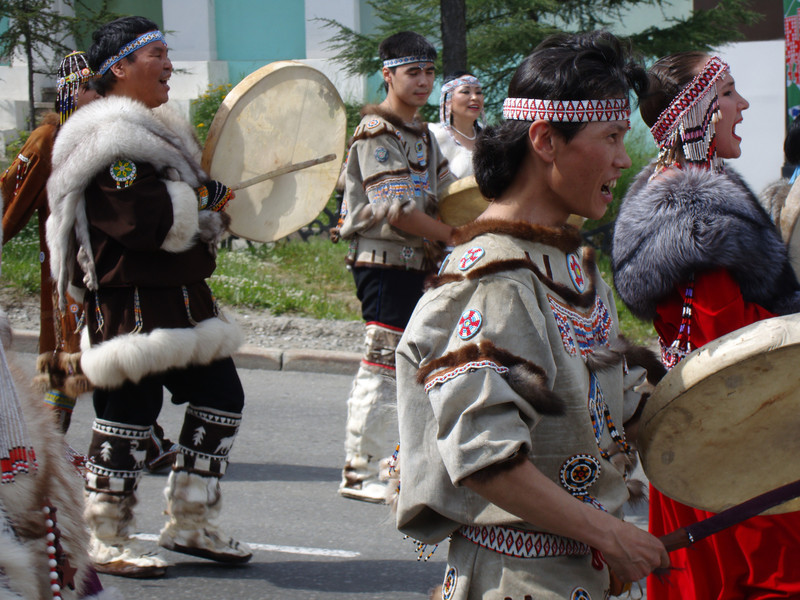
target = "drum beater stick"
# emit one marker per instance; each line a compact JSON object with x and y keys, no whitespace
{"x":283,"y":171}
{"x":686,"y":536}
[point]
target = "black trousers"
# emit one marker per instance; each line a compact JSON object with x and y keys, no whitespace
{"x":388,"y":296}
{"x":214,"y":386}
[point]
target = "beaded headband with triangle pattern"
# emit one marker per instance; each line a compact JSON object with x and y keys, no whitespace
{"x":566,"y":111}
{"x":688,"y":122}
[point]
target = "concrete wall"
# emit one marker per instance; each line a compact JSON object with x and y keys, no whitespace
{"x":758,"y":69}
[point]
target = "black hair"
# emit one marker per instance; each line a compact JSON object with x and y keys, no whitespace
{"x":667,"y":77}
{"x":406,"y":43}
{"x":107,"y":41}
{"x":456,"y":75}
{"x":585,"y":66}
{"x":791,"y":145}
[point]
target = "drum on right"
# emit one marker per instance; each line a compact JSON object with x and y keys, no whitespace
{"x":723,"y":425}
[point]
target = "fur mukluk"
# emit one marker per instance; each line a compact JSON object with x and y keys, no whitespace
{"x":93,"y":138}
{"x":693,"y":220}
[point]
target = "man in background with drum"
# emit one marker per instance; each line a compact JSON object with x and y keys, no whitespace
{"x":132,"y":235}
{"x":393,"y":175}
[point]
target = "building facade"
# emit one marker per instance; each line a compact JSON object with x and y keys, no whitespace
{"x":215,"y":42}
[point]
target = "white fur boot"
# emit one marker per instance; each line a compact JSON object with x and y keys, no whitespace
{"x":193,"y":502}
{"x":371,"y":432}
{"x":112,"y":549}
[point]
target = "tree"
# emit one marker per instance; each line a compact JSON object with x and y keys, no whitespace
{"x":42,"y":34}
{"x":500,"y":33}
{"x":454,"y":35}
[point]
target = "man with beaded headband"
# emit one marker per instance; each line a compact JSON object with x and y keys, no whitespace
{"x":513,"y":382}
{"x":132,"y":233}
{"x":393,"y":174}
{"x":24,"y":192}
{"x":695,"y":252}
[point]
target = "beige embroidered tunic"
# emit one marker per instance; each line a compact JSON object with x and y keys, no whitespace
{"x":499,"y":358}
{"x":391,"y":168}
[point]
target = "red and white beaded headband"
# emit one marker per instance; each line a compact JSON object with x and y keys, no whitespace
{"x":670,"y":118}
{"x":405,"y":60}
{"x":566,"y":111}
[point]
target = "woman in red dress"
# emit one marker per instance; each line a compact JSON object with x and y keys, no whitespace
{"x":695,"y":253}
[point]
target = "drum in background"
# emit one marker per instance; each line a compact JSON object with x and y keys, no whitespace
{"x":281,"y":115}
{"x":722,"y":426}
{"x":461,"y":202}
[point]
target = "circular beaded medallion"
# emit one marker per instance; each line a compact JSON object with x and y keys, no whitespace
{"x":579,"y":472}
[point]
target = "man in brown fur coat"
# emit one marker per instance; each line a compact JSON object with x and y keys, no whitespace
{"x":132,"y":233}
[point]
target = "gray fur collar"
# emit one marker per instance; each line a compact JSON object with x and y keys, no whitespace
{"x":93,"y":138}
{"x":697,"y":220}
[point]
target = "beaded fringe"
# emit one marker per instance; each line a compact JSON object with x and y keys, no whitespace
{"x":16,"y":452}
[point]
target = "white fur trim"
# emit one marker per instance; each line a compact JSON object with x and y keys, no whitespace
{"x":184,"y":225}
{"x":18,"y":567}
{"x":94,"y":137}
{"x":132,"y":356}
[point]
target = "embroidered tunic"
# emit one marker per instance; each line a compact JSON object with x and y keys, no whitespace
{"x":391,"y":168}
{"x":498,"y":360}
{"x":24,"y":192}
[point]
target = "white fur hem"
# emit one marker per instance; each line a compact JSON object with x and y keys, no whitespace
{"x":132,"y":356}
{"x":184,"y":210}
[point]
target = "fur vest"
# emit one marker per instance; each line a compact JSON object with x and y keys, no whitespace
{"x":695,"y":220}
{"x":93,"y":138}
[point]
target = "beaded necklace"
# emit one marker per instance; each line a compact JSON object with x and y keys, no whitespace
{"x":673,"y":354}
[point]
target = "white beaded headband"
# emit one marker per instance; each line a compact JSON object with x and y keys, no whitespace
{"x":566,"y":111}
{"x":141,"y":41}
{"x":446,"y":99}
{"x":405,"y":60}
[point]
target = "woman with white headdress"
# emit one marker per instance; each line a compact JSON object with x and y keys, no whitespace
{"x":461,"y":118}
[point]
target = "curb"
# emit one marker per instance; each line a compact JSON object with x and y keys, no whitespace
{"x":251,"y":357}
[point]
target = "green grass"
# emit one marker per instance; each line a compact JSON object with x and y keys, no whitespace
{"x":20,"y":268}
{"x":288,"y":277}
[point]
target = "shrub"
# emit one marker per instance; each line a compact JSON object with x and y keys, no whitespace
{"x":205,"y":107}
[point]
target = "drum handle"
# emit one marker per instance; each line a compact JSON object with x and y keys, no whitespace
{"x":283,"y":171}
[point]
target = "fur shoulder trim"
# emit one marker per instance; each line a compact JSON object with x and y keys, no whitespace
{"x":583,"y":299}
{"x":118,"y":127}
{"x":417,"y":128}
{"x":131,"y":356}
{"x":566,"y":238}
{"x":693,"y":220}
{"x":526,"y":378}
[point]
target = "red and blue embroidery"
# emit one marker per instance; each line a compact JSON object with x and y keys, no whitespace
{"x":470,"y":257}
{"x":581,"y":332}
{"x":469,"y":324}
